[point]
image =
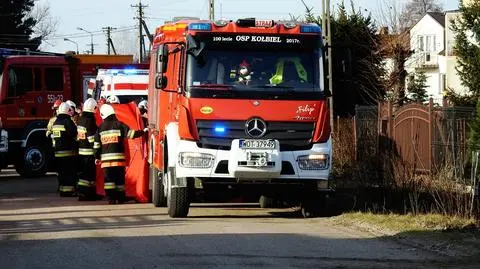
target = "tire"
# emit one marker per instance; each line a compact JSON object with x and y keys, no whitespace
{"x":33,"y":162}
{"x":178,"y":202}
{"x":158,"y":195}
{"x":266,"y":202}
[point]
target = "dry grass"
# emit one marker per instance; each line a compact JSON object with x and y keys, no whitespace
{"x":407,"y":223}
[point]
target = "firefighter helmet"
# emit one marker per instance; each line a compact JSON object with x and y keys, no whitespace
{"x":56,"y":104}
{"x":71,"y":104}
{"x":113,"y":99}
{"x":143,"y":105}
{"x":106,"y":111}
{"x":64,"y":108}
{"x":90,"y":105}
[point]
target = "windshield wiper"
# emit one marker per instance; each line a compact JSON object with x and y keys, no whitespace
{"x":272,"y":86}
{"x":213,"y":86}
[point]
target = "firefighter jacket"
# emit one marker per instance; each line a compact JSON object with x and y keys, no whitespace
{"x":109,"y":141}
{"x":86,"y":129}
{"x":50,"y":125}
{"x":65,"y":136}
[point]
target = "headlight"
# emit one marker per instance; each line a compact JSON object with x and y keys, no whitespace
{"x":313,"y":162}
{"x":195,"y":160}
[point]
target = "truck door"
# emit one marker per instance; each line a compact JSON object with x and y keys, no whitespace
{"x":54,"y":88}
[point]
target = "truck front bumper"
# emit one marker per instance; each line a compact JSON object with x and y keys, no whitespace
{"x":245,"y":165}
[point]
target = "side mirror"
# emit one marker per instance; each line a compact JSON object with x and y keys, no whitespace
{"x":160,"y":81}
{"x":162,"y":58}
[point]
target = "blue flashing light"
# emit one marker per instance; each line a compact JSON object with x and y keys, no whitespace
{"x":200,"y":26}
{"x":220,"y":129}
{"x":310,"y":28}
{"x":130,"y":70}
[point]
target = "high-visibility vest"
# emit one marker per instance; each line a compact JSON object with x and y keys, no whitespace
{"x":277,"y":78}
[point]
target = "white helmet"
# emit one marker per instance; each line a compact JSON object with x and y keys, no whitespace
{"x":143,"y":104}
{"x":90,"y":105}
{"x":71,"y":104}
{"x":64,"y":108}
{"x":113,"y":99}
{"x":106,"y":110}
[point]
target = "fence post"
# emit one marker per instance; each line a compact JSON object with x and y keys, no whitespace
{"x":430,"y":134}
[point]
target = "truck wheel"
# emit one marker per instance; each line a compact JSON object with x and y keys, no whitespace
{"x":266,"y":202}
{"x":177,"y":199}
{"x":33,"y":162}
{"x":158,"y":194}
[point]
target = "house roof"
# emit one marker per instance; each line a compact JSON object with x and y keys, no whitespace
{"x":438,"y":16}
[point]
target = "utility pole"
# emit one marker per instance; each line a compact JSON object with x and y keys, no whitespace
{"x":139,"y":17}
{"x":108,"y":30}
{"x":211,"y":10}
{"x":326,"y":28}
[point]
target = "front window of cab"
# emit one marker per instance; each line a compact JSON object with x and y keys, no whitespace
{"x":260,"y":69}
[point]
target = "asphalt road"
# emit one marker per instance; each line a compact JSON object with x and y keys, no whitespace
{"x":38,"y":229}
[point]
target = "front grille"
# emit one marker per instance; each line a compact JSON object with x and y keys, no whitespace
{"x":291,"y":135}
{"x":287,"y":168}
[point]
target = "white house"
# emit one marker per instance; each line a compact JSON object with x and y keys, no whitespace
{"x":427,"y":40}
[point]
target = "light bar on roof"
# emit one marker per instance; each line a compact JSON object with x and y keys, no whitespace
{"x":200,"y":26}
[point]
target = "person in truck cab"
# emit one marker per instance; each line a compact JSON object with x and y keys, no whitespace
{"x":52,"y":119}
{"x":110,"y":151}
{"x":65,"y":135}
{"x":86,"y":130}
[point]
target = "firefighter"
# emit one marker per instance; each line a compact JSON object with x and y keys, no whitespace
{"x":53,"y":118}
{"x":65,"y":134}
{"x":74,"y":112}
{"x":143,"y":107}
{"x":113,"y":99}
{"x":110,"y":151}
{"x":86,"y":129}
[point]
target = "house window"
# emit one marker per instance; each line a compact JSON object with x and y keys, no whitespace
{"x":426,"y":43}
{"x":420,"y":43}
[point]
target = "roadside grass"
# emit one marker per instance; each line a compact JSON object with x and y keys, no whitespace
{"x":451,"y":236}
{"x":404,"y":223}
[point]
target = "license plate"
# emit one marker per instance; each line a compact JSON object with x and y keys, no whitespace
{"x":257,"y":144}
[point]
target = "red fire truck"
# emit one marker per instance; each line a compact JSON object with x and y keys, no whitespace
{"x":241,"y":104}
{"x":29,"y":85}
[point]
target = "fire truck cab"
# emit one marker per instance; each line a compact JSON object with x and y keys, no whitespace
{"x":240,"y":104}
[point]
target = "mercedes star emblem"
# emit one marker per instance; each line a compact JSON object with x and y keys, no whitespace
{"x":255,"y":127}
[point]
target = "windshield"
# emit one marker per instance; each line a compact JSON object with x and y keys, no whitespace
{"x":256,"y":70}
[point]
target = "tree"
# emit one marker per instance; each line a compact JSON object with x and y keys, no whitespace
{"x":45,"y":24}
{"x":17,"y":25}
{"x":467,"y":49}
{"x":414,"y":10}
{"x":357,"y":68}
{"x":417,"y":88}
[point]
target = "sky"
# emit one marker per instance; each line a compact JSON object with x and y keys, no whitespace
{"x":93,"y":15}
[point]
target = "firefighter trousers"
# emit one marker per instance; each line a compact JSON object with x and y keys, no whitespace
{"x":66,"y":175}
{"x":115,"y":183}
{"x":87,"y":176}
